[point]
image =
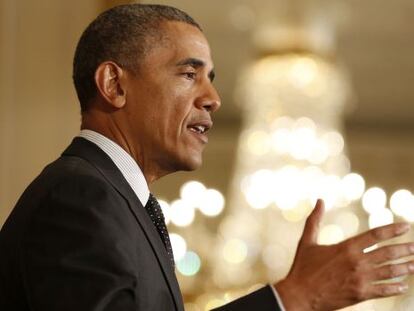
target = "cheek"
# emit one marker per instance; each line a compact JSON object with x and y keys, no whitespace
{"x":169,"y":107}
{"x":176,"y":112}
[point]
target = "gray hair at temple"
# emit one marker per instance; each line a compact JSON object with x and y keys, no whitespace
{"x":123,"y":34}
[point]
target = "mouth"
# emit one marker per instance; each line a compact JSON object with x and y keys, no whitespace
{"x":201,"y":128}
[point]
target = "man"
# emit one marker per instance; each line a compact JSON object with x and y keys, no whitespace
{"x":87,"y":234}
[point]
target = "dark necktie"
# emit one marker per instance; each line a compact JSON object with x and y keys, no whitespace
{"x":157,"y":217}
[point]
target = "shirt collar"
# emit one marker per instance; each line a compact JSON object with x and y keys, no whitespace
{"x":123,"y":160}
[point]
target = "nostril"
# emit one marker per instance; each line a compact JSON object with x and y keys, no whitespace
{"x":211,"y":105}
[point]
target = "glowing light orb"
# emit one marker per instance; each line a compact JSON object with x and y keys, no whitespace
{"x":331,"y":234}
{"x":189,"y":264}
{"x":353,"y":186}
{"x":380,"y":217}
{"x":181,"y":213}
{"x":235,"y":251}
{"x":212,"y":203}
{"x":373,"y":199}
{"x":179,"y":246}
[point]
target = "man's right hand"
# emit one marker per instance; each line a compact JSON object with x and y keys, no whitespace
{"x":335,"y":276}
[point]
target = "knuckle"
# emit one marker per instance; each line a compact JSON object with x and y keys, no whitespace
{"x":390,"y":290}
{"x":386,"y":291}
{"x":390,"y":253}
{"x":377,"y":233}
{"x":384,"y":273}
{"x":349,"y":254}
{"x":393,"y":270}
{"x":408,"y":249}
{"x":382,"y":291}
{"x":358,"y":287}
{"x":359,"y":294}
{"x":355,"y":263}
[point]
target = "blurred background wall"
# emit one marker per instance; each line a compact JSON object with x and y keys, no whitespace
{"x":39,"y":113}
{"x":372,"y":41}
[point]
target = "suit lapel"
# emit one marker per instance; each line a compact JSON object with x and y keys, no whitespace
{"x":100,"y":160}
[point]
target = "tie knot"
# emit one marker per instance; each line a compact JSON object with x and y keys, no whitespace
{"x":154,"y":208}
{"x":152,"y":200}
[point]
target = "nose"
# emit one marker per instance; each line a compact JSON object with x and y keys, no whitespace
{"x":210,"y":101}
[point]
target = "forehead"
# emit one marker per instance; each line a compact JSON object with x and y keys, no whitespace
{"x":177,"y":41}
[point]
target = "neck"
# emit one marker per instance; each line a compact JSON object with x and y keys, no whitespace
{"x":110,"y":128}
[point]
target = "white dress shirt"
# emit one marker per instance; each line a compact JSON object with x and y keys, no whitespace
{"x":132,"y":172}
{"x":123,"y":160}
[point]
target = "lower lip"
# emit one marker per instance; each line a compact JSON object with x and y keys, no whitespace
{"x":202,"y":137}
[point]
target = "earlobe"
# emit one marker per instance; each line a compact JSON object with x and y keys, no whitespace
{"x":108,"y":82}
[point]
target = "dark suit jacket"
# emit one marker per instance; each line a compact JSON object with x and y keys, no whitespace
{"x":79,"y":239}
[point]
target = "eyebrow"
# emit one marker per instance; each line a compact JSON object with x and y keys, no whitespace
{"x":196,"y":63}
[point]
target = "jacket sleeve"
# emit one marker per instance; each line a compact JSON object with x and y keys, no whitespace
{"x":262,"y":299}
{"x":75,"y":253}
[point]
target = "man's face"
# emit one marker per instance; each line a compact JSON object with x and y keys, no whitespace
{"x":170,"y":100}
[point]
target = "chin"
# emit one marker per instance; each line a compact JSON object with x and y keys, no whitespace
{"x":190,"y":163}
{"x":183,"y":160}
{"x":192,"y":166}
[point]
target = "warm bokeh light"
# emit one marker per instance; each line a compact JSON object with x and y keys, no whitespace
{"x":299,"y":213}
{"x":402,"y":204}
{"x":179,"y":246}
{"x":212,"y":203}
{"x":287,"y":182}
{"x":320,"y":153}
{"x":374,"y":199}
{"x":192,"y":191}
{"x":409,"y":215}
{"x":302,"y":140}
{"x":258,"y":188}
{"x":335,"y":143}
{"x":353,"y":186}
{"x":235,"y":251}
{"x":349,"y":222}
{"x":229,"y":274}
{"x":274,"y":256}
{"x":283,"y":122}
{"x":331,"y":234}
{"x":311,"y":175}
{"x":181,"y":213}
{"x":303,"y":71}
{"x":308,"y":184}
{"x":302,"y":143}
{"x":330,"y":191}
{"x":305,"y":122}
{"x":281,"y":141}
{"x":165,"y":207}
{"x":259,"y":142}
{"x":380,"y":217}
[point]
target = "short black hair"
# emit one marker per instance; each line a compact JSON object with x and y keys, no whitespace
{"x":121,"y":34}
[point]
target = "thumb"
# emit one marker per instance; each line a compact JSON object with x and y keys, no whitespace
{"x":311,"y":229}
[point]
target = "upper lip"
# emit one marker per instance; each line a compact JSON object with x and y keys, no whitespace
{"x":205,"y":123}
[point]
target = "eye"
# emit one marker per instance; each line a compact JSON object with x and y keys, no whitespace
{"x":190,"y":75}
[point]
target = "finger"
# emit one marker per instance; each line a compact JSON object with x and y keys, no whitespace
{"x":392,"y":271}
{"x":387,"y":290}
{"x":390,"y":252}
{"x":379,"y":234}
{"x":311,"y":229}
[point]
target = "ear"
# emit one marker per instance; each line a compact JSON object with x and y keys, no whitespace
{"x":108,"y":79}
